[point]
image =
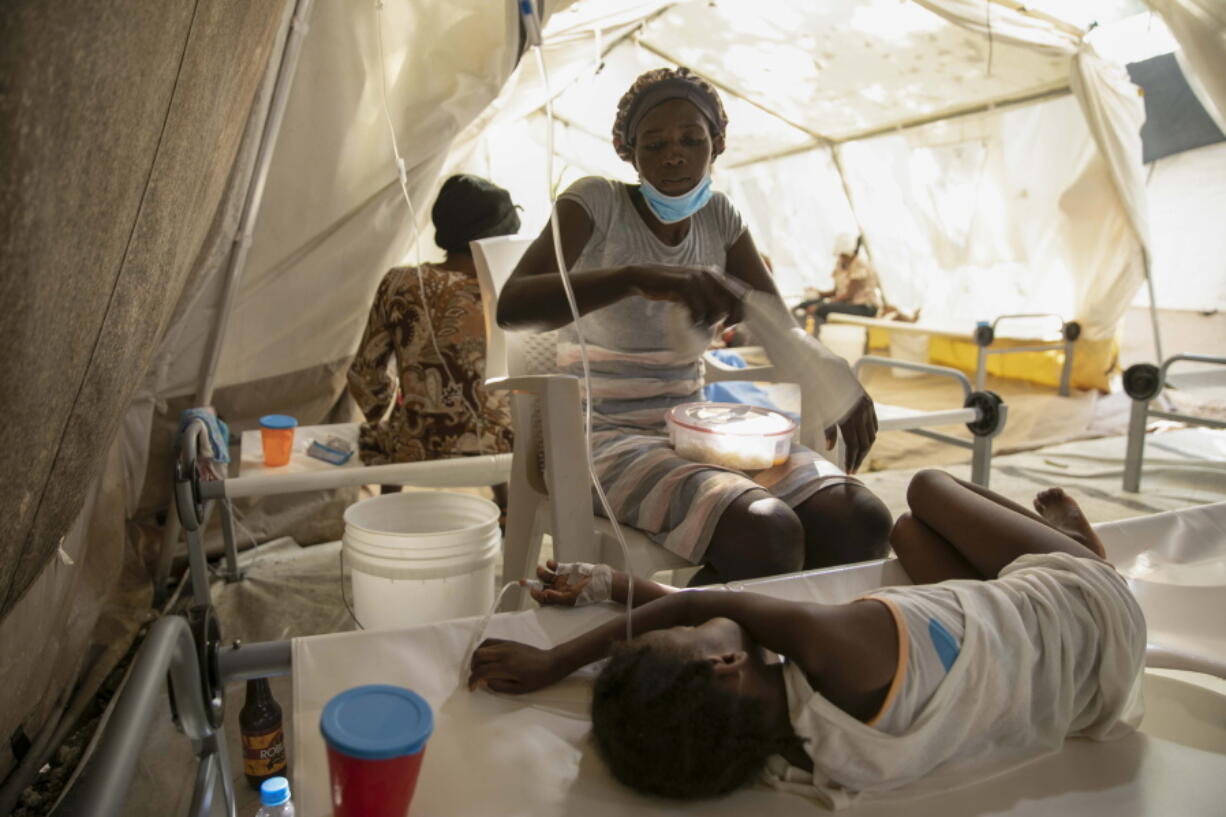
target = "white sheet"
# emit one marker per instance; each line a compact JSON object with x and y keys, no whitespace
{"x":493,"y":755}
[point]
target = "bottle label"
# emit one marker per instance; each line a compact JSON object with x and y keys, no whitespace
{"x":264,"y":752}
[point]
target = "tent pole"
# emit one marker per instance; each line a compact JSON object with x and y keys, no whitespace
{"x":836,"y":155}
{"x":255,"y":193}
{"x":1153,"y":310}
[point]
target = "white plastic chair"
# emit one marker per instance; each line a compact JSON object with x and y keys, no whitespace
{"x":550,"y":490}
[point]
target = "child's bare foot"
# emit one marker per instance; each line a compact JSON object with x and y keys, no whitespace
{"x":1062,"y":511}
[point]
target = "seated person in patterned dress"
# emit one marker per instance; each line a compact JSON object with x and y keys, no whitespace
{"x":430,"y":320}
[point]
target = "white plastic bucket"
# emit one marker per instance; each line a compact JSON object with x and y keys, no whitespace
{"x":909,"y":347}
{"x":420,"y":557}
{"x":844,"y":340}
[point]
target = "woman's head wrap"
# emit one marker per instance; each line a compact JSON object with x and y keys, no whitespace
{"x":469,"y":208}
{"x":661,"y":85}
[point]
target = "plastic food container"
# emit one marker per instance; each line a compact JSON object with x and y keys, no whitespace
{"x":733,"y":435}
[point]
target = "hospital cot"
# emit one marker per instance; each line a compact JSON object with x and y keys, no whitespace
{"x":549,"y":489}
{"x":495,"y":755}
{"x":984,"y":335}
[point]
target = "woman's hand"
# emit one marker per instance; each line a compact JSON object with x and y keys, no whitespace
{"x":859,"y":431}
{"x":704,"y":296}
{"x":508,"y":666}
{"x":560,"y":589}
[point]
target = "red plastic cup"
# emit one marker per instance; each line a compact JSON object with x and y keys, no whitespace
{"x":376,"y":737}
{"x":277,"y":437}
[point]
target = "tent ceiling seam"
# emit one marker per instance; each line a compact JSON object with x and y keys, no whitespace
{"x":1059,"y":88}
{"x":1022,"y":9}
{"x":630,"y":32}
{"x":8,"y":591}
{"x":728,"y":89}
{"x":1053,"y":92}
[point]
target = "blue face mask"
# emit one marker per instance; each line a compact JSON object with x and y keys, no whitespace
{"x":671,"y":209}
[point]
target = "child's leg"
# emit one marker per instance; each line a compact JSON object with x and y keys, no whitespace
{"x":985,"y":528}
{"x":925,"y":556}
{"x":1055,"y":508}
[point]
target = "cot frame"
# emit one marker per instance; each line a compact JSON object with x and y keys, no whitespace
{"x":1143,"y":382}
{"x":983,"y":336}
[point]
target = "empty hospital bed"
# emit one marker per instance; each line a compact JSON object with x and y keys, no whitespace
{"x":985,"y":335}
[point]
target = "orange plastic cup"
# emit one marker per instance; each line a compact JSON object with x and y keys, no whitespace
{"x":277,"y":436}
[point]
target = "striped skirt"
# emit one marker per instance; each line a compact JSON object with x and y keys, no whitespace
{"x":678,"y":502}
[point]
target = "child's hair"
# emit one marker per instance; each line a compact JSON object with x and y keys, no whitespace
{"x":665,"y":727}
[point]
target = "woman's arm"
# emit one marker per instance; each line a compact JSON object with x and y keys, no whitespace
{"x":533,"y":298}
{"x":745,"y":263}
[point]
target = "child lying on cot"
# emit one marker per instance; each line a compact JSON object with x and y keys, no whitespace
{"x":1029,"y":637}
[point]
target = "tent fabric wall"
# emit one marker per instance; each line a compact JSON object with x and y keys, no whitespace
{"x":1187,"y":197}
{"x":332,"y":221}
{"x":1200,"y":28}
{"x":119,"y":126}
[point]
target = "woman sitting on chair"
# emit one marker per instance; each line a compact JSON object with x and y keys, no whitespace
{"x":431,"y":320}
{"x":639,"y":254}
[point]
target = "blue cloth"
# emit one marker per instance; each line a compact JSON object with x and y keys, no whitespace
{"x":944,"y":643}
{"x":218,"y":432}
{"x":739,"y":391}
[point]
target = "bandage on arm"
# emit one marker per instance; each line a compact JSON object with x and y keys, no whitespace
{"x":600,"y":581}
{"x":608,"y":584}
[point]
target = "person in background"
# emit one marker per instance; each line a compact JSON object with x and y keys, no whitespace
{"x":430,"y":320}
{"x":644,"y":258}
{"x":856,"y":291}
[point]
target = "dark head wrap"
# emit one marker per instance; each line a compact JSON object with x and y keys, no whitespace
{"x":469,"y":208}
{"x":661,"y":85}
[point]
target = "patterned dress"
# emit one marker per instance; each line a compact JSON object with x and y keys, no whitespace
{"x":435,"y":416}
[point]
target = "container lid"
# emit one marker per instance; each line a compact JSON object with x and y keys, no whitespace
{"x":274,"y":791}
{"x":377,"y":722}
{"x":278,"y":421}
{"x":731,"y":418}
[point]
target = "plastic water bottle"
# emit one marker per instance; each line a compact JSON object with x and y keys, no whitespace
{"x":274,"y":798}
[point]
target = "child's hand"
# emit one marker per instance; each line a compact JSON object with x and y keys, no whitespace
{"x":508,"y":666}
{"x":560,"y":589}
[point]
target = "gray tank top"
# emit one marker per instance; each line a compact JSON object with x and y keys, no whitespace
{"x":637,"y":373}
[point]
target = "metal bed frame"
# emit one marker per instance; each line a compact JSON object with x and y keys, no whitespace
{"x":983,"y":336}
{"x":1145,"y":381}
{"x":983,"y":412}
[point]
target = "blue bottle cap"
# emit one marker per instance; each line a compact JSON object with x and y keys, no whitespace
{"x":277,"y":421}
{"x":274,"y":791}
{"x":377,"y":722}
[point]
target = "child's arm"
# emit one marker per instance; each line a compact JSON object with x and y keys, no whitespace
{"x":857,"y":641}
{"x":563,"y":589}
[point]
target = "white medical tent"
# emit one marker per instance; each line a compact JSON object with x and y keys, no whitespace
{"x":200,"y":197}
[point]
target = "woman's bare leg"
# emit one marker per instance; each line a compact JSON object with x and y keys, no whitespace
{"x":988,"y":530}
{"x":926,"y":556}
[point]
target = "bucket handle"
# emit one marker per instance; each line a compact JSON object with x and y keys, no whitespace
{"x":344,"y":596}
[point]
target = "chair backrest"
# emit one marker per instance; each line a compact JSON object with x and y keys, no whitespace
{"x":508,"y":353}
{"x":495,"y":259}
